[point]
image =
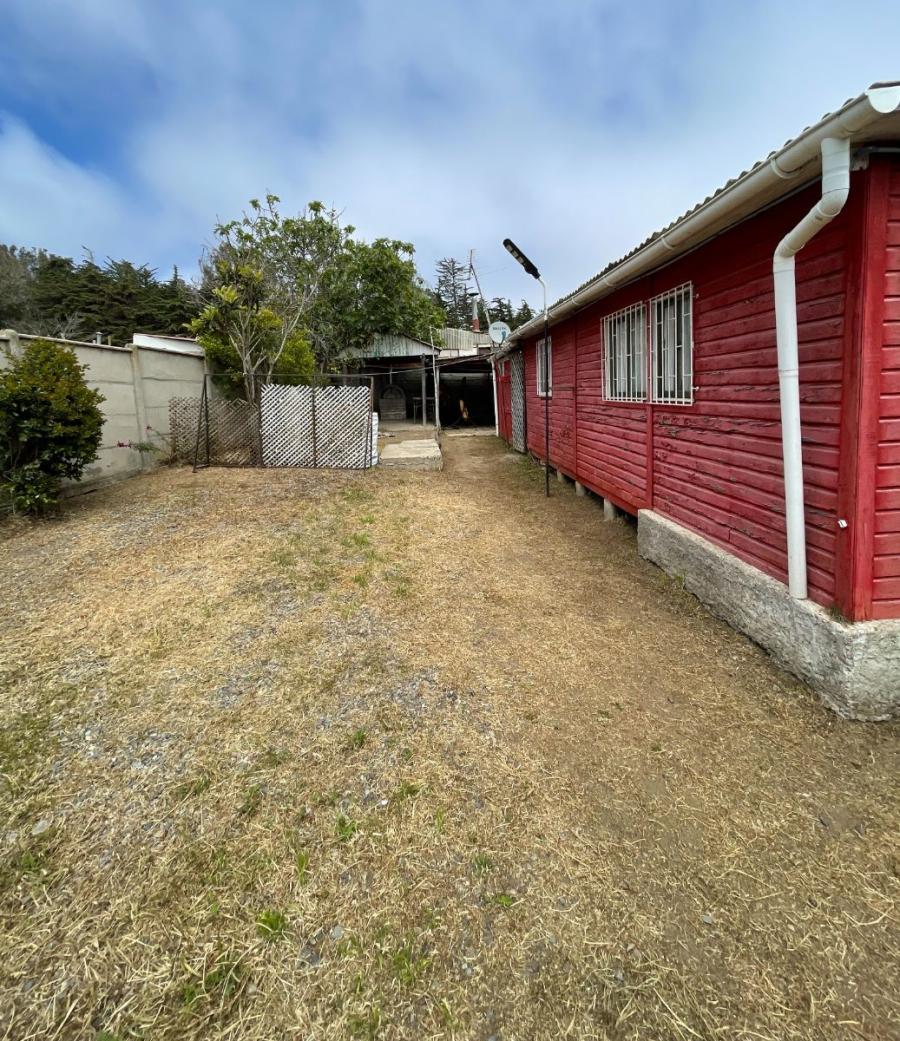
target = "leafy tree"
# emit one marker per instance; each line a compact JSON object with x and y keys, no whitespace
{"x":297,"y":363}
{"x":373,"y":288}
{"x":263,"y":283}
{"x":452,"y":292}
{"x":277,"y":288}
{"x":50,"y":424}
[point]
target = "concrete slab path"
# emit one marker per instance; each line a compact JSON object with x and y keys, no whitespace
{"x":413,"y":455}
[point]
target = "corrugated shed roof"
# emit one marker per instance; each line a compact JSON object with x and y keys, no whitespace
{"x":462,"y":339}
{"x":394,"y":345}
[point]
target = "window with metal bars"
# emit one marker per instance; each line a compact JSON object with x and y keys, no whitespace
{"x":672,"y":347}
{"x":625,"y":355}
{"x":545,"y":374}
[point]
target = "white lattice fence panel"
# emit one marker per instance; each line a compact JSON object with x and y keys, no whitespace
{"x":286,"y":417}
{"x":316,"y":426}
{"x":517,"y":399}
{"x":343,"y":418}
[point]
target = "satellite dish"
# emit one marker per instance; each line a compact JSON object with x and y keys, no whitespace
{"x":498,"y":332}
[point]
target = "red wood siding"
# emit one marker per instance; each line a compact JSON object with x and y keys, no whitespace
{"x":612,"y":438}
{"x":886,"y":560}
{"x":715,"y":466}
{"x":561,"y":404}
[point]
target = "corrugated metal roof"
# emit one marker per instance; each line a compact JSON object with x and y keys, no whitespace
{"x":789,"y":183}
{"x":394,"y":345}
{"x":463,"y":339}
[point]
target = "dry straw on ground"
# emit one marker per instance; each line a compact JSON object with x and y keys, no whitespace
{"x":406,"y":756}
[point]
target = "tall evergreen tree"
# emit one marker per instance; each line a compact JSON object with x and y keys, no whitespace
{"x":502,"y":310}
{"x":178,"y":304}
{"x":452,"y":292}
{"x":49,"y":295}
{"x":523,"y":314}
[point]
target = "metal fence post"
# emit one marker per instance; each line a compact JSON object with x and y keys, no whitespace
{"x":206,"y":410}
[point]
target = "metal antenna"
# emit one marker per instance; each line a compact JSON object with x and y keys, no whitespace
{"x":474,"y":274}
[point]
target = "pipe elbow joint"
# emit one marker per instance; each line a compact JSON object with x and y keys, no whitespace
{"x":832,"y":202}
{"x":783,"y":258}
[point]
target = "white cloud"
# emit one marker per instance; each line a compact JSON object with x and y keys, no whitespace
{"x":577,"y":130}
{"x":47,"y":199}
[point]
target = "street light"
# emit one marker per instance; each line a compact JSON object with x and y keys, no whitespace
{"x":532,"y":270}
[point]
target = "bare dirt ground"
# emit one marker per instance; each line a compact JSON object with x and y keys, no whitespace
{"x":400,"y":755}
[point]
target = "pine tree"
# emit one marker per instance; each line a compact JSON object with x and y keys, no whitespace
{"x":55,"y":298}
{"x":177,"y":305}
{"x":523,"y":314}
{"x":452,"y":292}
{"x":49,"y":295}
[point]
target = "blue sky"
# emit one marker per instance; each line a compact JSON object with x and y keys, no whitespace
{"x":576,"y":128}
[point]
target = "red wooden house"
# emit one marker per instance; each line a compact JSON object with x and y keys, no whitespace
{"x":670,"y":388}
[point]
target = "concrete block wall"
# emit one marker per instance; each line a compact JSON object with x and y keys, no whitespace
{"x":136,"y":383}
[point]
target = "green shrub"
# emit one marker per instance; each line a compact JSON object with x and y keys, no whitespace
{"x":50,"y":424}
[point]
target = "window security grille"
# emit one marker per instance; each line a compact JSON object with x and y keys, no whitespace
{"x":545,"y":378}
{"x":671,"y":335}
{"x":625,"y":355}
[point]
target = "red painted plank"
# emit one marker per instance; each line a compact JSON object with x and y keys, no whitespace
{"x":887,"y":543}
{"x":889,"y":460}
{"x":887,"y":522}
{"x":887,"y":499}
{"x":890,"y":405}
{"x":891,"y":334}
{"x":887,"y":567}
{"x":886,"y":589}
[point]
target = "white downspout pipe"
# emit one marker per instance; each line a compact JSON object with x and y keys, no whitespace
{"x":494,"y":381}
{"x":835,"y":189}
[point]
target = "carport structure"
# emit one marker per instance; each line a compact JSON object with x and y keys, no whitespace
{"x":402,"y":368}
{"x":408,"y":372}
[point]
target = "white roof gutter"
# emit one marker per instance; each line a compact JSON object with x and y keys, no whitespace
{"x":796,"y":161}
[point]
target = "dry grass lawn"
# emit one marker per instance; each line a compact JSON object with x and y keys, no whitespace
{"x":408,"y":756}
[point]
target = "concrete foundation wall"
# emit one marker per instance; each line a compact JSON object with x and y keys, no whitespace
{"x":854,"y":667}
{"x":136,"y":383}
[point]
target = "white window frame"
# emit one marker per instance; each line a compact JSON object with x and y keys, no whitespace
{"x":625,"y":354}
{"x":672,"y":346}
{"x":544,"y":385}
